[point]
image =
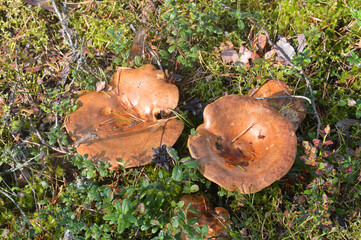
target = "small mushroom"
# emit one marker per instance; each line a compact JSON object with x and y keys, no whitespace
{"x":244,"y":144}
{"x":217,"y":219}
{"x":127,"y":120}
{"x":291,"y":108}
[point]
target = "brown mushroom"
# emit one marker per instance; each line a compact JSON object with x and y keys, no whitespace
{"x":291,"y":108}
{"x":244,"y":144}
{"x":217,"y":219}
{"x":127,"y":119}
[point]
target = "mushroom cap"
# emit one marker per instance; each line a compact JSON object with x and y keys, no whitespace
{"x":294,"y":109}
{"x":244,"y":144}
{"x":216,"y":218}
{"x":146,"y":89}
{"x":125,"y":119}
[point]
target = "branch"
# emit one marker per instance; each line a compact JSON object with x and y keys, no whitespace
{"x":64,"y":24}
{"x":45,"y":142}
{"x":16,"y":204}
{"x":291,"y":96}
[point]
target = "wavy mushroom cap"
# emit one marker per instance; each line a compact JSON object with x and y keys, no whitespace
{"x":146,"y":89}
{"x":217,"y":219}
{"x":294,"y":109}
{"x":244,"y":144}
{"x":125,"y":119}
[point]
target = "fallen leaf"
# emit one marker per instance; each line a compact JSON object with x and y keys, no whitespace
{"x":357,"y":151}
{"x":288,"y":50}
{"x":347,"y":122}
{"x":100,"y":86}
{"x":138,"y":44}
{"x":229,"y":55}
{"x":36,"y":68}
{"x":260,"y":42}
{"x":302,"y":43}
{"x":270,"y":54}
{"x":41,"y":3}
{"x":245,"y":55}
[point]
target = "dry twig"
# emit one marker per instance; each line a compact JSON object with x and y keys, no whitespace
{"x":37,"y":133}
{"x":290,"y":96}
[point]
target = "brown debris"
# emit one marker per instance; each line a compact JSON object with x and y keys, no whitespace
{"x":243,"y":144}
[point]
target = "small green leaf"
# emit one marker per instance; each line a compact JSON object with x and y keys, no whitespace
{"x":177,"y":173}
{"x":125,"y":206}
{"x":240,"y":24}
{"x":194,"y":188}
{"x":165,"y":55}
{"x":171,"y":48}
{"x":191,"y":164}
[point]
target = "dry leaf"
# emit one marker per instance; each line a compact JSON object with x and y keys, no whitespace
{"x":260,"y":42}
{"x":100,"y":86}
{"x":41,"y":3}
{"x":229,"y":55}
{"x":302,"y":43}
{"x":287,"y":49}
{"x":245,"y":55}
{"x":138,"y":44}
{"x":270,"y":54}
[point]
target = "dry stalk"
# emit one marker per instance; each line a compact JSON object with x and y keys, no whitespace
{"x":291,"y":96}
{"x":244,"y":131}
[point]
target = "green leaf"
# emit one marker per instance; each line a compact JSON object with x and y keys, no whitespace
{"x":122,"y":225}
{"x":342,"y":103}
{"x":358,"y":114}
{"x":194,"y":188}
{"x":130,"y":218}
{"x":193,"y":55}
{"x":125,"y":206}
{"x":240,"y":24}
{"x":15,"y":125}
{"x":191,"y":164}
{"x":173,"y":153}
{"x":204,"y":230}
{"x":177,"y":173}
{"x":165,"y":55}
{"x":193,"y":132}
{"x":112,"y":217}
{"x":171,"y":48}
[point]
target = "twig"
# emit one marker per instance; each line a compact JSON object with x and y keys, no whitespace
{"x":68,"y":36}
{"x":148,"y":48}
{"x":92,"y":135}
{"x":17,"y":160}
{"x":45,"y":142}
{"x":16,"y":204}
{"x":291,"y":96}
{"x":288,"y":60}
{"x":244,"y":131}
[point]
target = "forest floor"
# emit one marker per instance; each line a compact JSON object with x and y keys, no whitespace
{"x":52,"y":51}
